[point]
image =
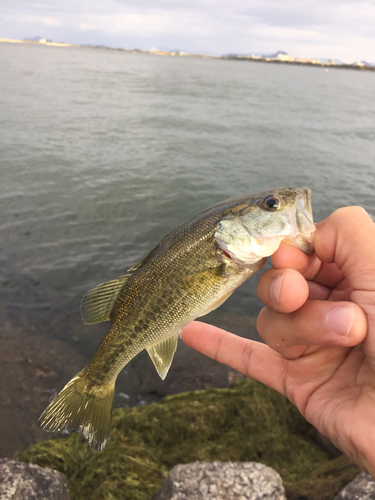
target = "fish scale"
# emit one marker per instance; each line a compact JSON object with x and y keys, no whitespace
{"x":192,"y":271}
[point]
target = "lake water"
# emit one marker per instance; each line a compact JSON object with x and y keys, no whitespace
{"x":103,"y":152}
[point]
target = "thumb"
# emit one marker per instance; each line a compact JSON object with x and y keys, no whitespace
{"x":347,"y":238}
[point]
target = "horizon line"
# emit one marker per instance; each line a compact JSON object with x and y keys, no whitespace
{"x":279,"y":57}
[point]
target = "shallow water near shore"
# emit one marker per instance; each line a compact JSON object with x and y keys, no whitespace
{"x":104,"y":152}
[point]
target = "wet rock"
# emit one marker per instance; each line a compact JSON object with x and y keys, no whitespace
{"x":33,"y":369}
{"x":249,"y":423}
{"x":361,"y":488}
{"x":22,"y":481}
{"x":221,"y":481}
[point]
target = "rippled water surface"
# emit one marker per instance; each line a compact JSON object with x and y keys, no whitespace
{"x":103,"y":152}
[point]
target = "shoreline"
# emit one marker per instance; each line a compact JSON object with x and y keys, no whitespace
{"x":289,"y":60}
{"x":37,"y":366}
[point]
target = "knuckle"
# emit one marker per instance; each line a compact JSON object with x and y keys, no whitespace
{"x":345,"y":212}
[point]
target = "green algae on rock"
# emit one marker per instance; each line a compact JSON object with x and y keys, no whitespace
{"x":248,"y":423}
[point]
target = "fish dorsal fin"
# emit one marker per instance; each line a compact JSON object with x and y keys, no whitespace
{"x":97,"y":304}
{"x":162,"y":354}
{"x":140,"y":264}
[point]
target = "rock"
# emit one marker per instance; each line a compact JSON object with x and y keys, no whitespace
{"x":22,"y":481}
{"x":35,"y":368}
{"x":221,"y":481}
{"x":361,"y":488}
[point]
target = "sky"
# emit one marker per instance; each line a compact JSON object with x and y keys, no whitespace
{"x":338,"y":29}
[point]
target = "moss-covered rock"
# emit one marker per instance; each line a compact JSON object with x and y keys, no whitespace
{"x":248,"y":423}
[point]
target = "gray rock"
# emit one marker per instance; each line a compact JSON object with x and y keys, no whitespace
{"x":361,"y":488}
{"x":22,"y":481}
{"x":221,"y":481}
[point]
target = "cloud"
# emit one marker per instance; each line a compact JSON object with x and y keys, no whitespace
{"x":153,"y":23}
{"x":214,"y":26}
{"x":50,"y":21}
{"x":34,"y":19}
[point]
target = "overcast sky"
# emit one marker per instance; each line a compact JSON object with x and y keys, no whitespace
{"x":339,"y":29}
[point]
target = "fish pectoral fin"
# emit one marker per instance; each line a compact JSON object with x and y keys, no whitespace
{"x":97,"y":304}
{"x":201,"y":280}
{"x":162,"y":354}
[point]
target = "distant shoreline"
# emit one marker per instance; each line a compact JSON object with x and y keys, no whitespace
{"x":280,"y":58}
{"x":54,"y":44}
{"x":304,"y":62}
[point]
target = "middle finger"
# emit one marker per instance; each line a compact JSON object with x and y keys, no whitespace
{"x":317,"y":322}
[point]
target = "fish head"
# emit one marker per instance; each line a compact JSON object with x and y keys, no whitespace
{"x":254,"y":230}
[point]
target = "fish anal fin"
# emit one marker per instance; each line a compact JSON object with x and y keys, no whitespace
{"x":97,"y":304}
{"x":161,"y":354}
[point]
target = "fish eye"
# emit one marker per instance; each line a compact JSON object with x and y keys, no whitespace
{"x":271,"y":203}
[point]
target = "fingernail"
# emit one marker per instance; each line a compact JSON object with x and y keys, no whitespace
{"x":340,"y":320}
{"x":276,"y":289}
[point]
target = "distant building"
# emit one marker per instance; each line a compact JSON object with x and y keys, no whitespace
{"x":305,"y":60}
{"x":285,"y":57}
{"x":280,"y":56}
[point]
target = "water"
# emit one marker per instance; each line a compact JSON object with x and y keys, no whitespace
{"x":104,"y":152}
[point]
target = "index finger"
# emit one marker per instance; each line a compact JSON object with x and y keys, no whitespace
{"x":253,"y":359}
{"x":291,"y":257}
{"x":310,"y":266}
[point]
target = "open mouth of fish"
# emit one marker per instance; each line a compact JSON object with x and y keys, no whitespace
{"x":302,"y":221}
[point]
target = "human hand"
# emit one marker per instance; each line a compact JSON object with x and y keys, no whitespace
{"x":319,"y":326}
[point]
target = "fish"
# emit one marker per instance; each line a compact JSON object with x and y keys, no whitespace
{"x":191,"y":272}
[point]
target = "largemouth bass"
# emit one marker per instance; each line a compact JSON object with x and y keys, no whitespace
{"x":191,"y":272}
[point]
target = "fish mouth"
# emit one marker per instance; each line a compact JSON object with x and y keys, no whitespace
{"x":304,"y":220}
{"x":301,"y":222}
{"x":304,"y":204}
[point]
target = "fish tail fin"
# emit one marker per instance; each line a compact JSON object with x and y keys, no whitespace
{"x":83,"y":407}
